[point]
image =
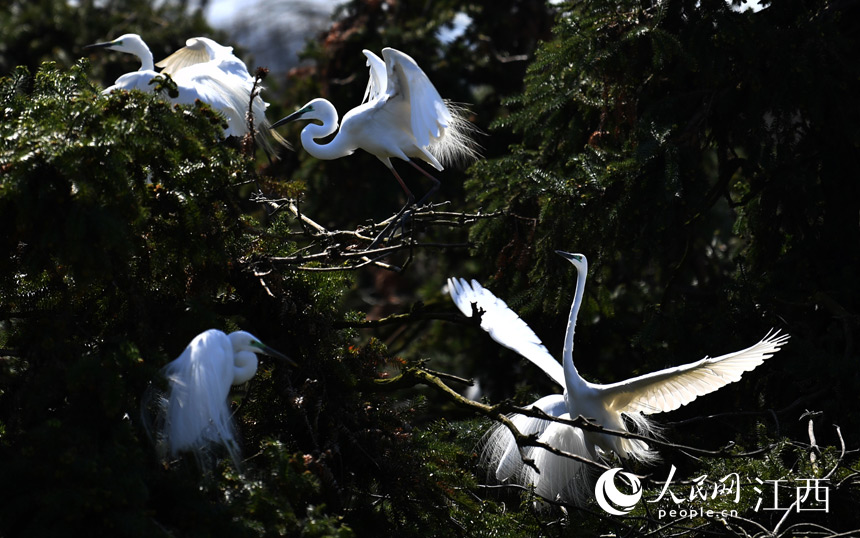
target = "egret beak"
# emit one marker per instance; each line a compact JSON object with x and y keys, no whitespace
{"x":266,"y":350}
{"x":292,"y":117}
{"x":568,"y":256}
{"x":104,"y":45}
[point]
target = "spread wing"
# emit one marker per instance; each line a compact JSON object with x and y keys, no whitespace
{"x":669,"y":389}
{"x":429,"y":114}
{"x":194,"y":52}
{"x":504,"y":326}
{"x":199,"y":50}
{"x":377,"y":82}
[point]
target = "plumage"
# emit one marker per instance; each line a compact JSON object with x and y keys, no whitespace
{"x":199,"y":50}
{"x":504,"y":325}
{"x":194,"y":414}
{"x":402,"y":116}
{"x":618,"y":406}
{"x":202,"y":70}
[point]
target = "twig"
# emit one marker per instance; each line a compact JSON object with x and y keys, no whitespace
{"x":414,"y":374}
{"x":343,"y":250}
{"x":396,"y":319}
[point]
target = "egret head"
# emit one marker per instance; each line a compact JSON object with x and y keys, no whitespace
{"x":244,"y":341}
{"x":130,"y":43}
{"x":318,"y":109}
{"x":578,"y":260}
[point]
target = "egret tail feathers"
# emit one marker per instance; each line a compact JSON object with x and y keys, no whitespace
{"x":192,"y":417}
{"x":560,"y":478}
{"x":455,"y":144}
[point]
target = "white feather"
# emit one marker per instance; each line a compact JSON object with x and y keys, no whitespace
{"x":559,"y":477}
{"x":504,"y":325}
{"x":501,"y":453}
{"x":669,"y":389}
{"x":618,"y":406}
{"x":195,"y":410}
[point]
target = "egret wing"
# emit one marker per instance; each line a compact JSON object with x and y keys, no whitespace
{"x":669,"y":389}
{"x":377,"y":82}
{"x":196,"y":409}
{"x":202,"y":50}
{"x":504,"y":326}
{"x":226,"y":94}
{"x":429,"y":115}
{"x":194,"y":52}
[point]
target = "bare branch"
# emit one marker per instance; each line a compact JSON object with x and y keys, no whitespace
{"x":415,"y":374}
{"x":367,"y":244}
{"x":408,"y":317}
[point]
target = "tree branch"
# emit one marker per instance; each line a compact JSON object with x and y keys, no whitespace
{"x":343,"y":250}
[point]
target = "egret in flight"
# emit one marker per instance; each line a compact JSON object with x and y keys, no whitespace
{"x":194,"y":415}
{"x":202,"y":70}
{"x":607,"y":405}
{"x":402,"y":115}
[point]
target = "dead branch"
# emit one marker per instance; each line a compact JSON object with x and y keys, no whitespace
{"x":408,"y":317}
{"x":323,"y":249}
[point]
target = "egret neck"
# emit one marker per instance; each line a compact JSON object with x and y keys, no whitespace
{"x":572,"y":378}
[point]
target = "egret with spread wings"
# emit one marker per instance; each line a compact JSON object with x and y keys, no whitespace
{"x":402,"y":116}
{"x":564,"y":478}
{"x":202,"y":70}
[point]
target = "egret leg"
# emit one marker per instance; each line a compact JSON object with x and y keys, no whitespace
{"x":398,"y":218}
{"x":409,"y":197}
{"x":404,"y":214}
{"x":433,"y":189}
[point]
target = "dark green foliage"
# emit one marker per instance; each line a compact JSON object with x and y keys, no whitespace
{"x":92,"y":269}
{"x":702,"y":159}
{"x":697,"y":162}
{"x":128,"y":235}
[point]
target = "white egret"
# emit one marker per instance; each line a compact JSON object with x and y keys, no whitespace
{"x":194,"y":415}
{"x":204,"y":53}
{"x":218,"y":81}
{"x":199,"y":50}
{"x":607,"y":405}
{"x":402,"y":115}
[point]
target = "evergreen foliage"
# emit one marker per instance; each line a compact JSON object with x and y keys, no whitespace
{"x":702,"y":158}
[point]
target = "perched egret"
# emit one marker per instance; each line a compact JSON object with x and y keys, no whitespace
{"x":194,"y":414}
{"x":200,"y":50}
{"x":204,"y":53}
{"x":220,"y":80}
{"x":607,"y":405}
{"x":402,"y":115}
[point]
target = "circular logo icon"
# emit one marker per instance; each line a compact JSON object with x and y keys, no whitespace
{"x":613,"y":501}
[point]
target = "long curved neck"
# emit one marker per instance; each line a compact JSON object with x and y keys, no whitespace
{"x":146,"y":62}
{"x":244,"y":367}
{"x":141,"y":50}
{"x":337,"y":148}
{"x":571,"y":375}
